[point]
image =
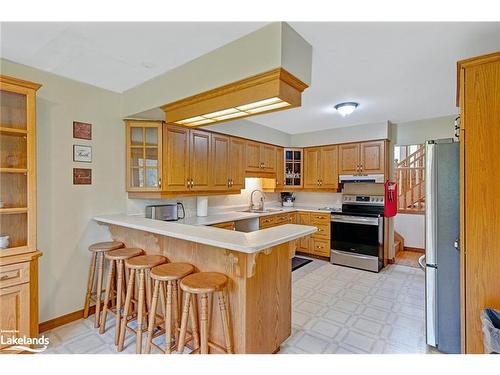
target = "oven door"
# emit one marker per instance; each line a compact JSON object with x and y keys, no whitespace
{"x":357,"y":234}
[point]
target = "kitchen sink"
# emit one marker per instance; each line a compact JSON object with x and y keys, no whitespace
{"x":264,"y":211}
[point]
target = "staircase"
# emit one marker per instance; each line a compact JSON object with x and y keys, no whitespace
{"x":410,"y":177}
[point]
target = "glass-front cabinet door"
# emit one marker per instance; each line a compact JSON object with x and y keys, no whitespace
{"x":144,"y":151}
{"x":17,"y":167}
{"x":294,"y":162}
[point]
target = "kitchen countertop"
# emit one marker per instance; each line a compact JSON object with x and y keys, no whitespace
{"x":251,"y":242}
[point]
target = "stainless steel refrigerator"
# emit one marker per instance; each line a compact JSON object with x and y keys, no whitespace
{"x":442,"y":254}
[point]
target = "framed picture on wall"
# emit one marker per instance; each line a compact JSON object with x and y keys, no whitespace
{"x":82,"y":130}
{"x":82,"y":176}
{"x":82,"y":154}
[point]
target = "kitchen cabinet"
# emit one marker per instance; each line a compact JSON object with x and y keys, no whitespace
{"x":176,"y":158}
{"x":229,"y":225}
{"x":260,"y":158}
{"x":280,"y":168}
{"x":362,"y":158}
{"x":321,"y":167}
{"x":144,"y":155}
{"x":200,"y":165}
{"x":320,"y":247}
{"x":237,"y":163}
{"x":479,"y":98}
{"x":18,"y":214}
{"x":319,"y":242}
{"x":304,"y":218}
{"x":294,"y":168}
{"x":221,"y":165}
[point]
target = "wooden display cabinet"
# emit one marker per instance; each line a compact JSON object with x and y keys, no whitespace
{"x":19,"y":255}
{"x":294,"y":168}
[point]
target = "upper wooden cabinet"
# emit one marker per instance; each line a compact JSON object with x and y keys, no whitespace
{"x":260,"y":158}
{"x":362,"y":158}
{"x":200,"y":162}
{"x":280,"y":168}
{"x":237,"y":163}
{"x":176,"y":141}
{"x":320,"y":167}
{"x":144,"y":155}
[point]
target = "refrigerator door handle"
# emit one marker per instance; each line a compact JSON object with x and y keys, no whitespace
{"x":430,"y":204}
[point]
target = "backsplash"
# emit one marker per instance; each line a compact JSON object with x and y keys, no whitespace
{"x":216,"y":203}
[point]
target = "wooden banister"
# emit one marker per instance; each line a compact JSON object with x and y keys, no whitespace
{"x":410,"y":176}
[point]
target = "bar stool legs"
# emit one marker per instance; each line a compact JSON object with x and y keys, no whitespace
{"x":126,"y":309}
{"x":90,"y":284}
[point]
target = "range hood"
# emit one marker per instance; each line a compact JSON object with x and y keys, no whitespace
{"x":367,"y":178}
{"x":270,"y":91}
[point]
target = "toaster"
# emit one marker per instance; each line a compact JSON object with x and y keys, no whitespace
{"x":165,"y":212}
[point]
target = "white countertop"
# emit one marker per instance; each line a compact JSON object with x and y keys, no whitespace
{"x":251,"y":242}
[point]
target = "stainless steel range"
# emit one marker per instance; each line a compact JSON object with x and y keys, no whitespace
{"x":357,"y":233}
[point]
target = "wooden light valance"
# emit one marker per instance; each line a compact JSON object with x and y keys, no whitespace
{"x":271,"y":91}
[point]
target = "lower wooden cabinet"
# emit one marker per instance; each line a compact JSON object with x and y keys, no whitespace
{"x":319,"y":247}
{"x":18,"y":297}
{"x":319,"y":242}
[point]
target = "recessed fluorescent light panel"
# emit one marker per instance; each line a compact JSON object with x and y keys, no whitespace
{"x":240,"y":111}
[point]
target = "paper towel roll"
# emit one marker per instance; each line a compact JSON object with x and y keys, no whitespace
{"x":201,"y":206}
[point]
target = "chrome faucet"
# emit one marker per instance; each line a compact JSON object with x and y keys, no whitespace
{"x":261,"y":203}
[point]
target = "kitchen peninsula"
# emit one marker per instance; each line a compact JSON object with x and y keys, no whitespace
{"x":258,"y":265}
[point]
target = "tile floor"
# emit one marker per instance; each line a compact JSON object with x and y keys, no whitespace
{"x":335,"y":310}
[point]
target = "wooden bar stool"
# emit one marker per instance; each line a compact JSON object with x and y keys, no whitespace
{"x":168,"y":275}
{"x":138,"y":267}
{"x":98,"y":250}
{"x":205,"y":284}
{"x":116,"y":268}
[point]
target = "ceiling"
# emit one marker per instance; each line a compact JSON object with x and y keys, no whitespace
{"x":396,"y":71}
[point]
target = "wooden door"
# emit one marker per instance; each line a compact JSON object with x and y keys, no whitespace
{"x":349,"y":158}
{"x":253,"y":162}
{"x":220,"y":170}
{"x":268,"y":158}
{"x":280,"y":168}
{"x":372,"y":156}
{"x":200,"y":166}
{"x":329,"y":175}
{"x":176,"y":158}
{"x":15,"y":312}
{"x":480,"y":189}
{"x":312,"y":160}
{"x":237,"y":163}
{"x":320,"y":247}
{"x":144,"y":155}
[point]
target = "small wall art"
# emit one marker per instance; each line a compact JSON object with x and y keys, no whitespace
{"x":82,"y":154}
{"x":82,"y":130}
{"x":82,"y":176}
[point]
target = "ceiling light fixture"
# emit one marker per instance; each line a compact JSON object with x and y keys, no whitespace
{"x":346,"y":108}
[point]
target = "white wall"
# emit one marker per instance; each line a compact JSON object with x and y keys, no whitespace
{"x":416,"y":132}
{"x":65,"y":228}
{"x":412,"y":228}
{"x":356,"y":133}
{"x":252,"y":130}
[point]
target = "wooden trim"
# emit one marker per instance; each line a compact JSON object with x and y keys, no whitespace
{"x":415,"y":249}
{"x":64,"y":319}
{"x":391,"y":261}
{"x":171,"y":194}
{"x":19,"y":82}
{"x":411,"y":212}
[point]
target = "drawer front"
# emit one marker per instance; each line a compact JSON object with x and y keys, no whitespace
{"x":14,"y":274}
{"x":320,"y":247}
{"x":267,"y":221}
{"x":304,"y":218}
{"x":281,"y":219}
{"x":227,"y":225}
{"x":320,"y":218}
{"x":292,"y":218}
{"x":323,"y":231}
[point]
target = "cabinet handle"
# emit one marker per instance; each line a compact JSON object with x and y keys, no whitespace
{"x":159,"y":182}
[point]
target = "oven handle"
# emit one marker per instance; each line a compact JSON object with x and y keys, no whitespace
{"x":341,"y":252}
{"x":355,"y":220}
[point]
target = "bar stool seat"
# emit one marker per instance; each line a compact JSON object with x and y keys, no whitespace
{"x":204,"y":282}
{"x":98,"y":250}
{"x":205,"y":285}
{"x":167,"y":277}
{"x":143,"y":262}
{"x":140,"y":267}
{"x":105,"y":246}
{"x":116,"y":269}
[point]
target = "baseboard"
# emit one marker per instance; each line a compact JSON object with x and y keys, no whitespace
{"x":64,"y":319}
{"x":390,"y":260}
{"x":416,"y":249}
